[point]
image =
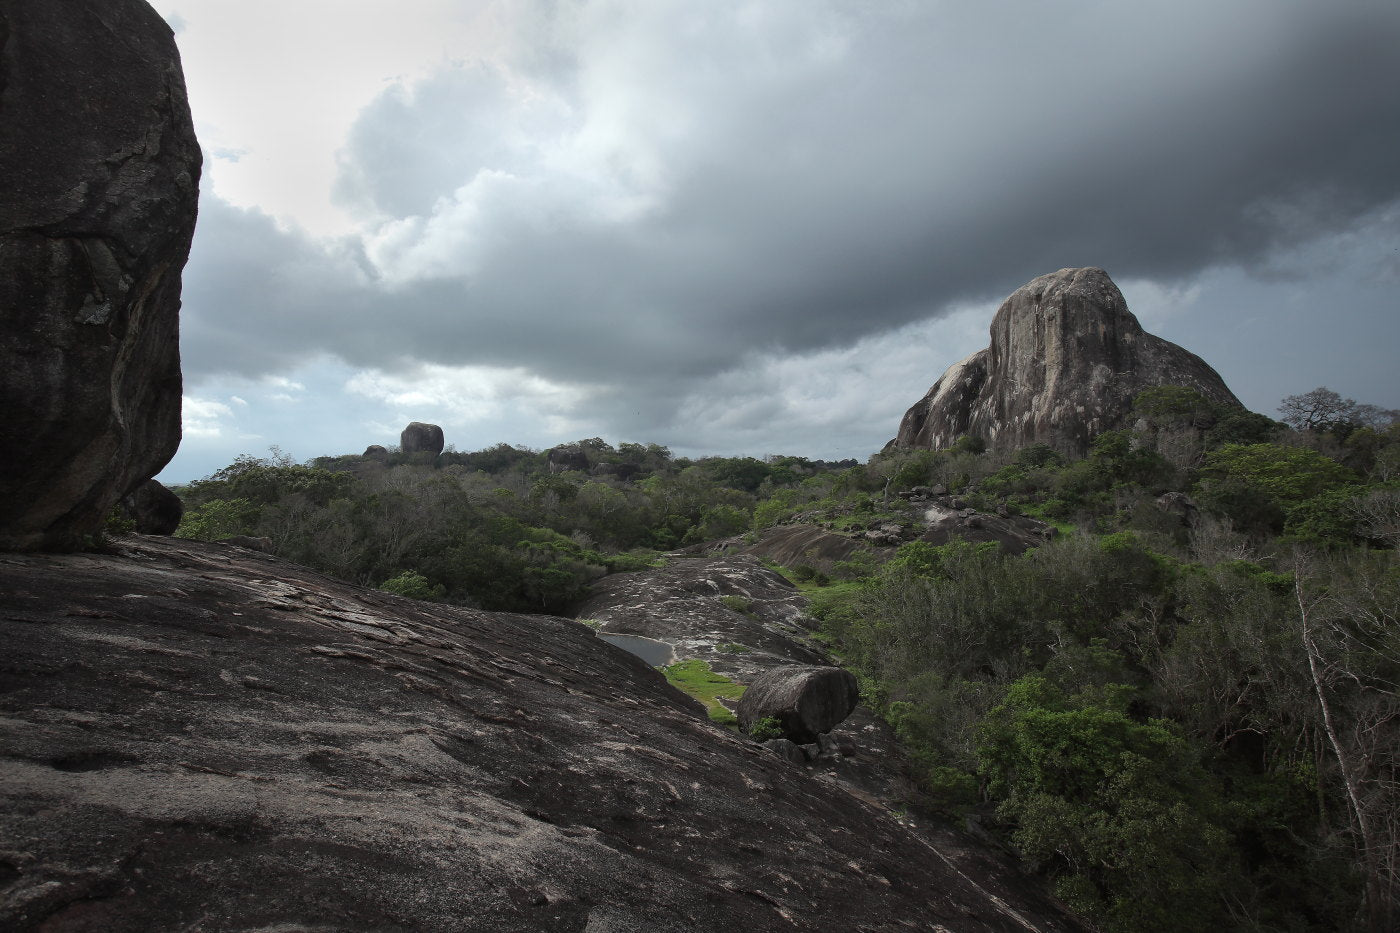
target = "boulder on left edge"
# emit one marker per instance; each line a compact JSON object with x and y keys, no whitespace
{"x":806,"y":700}
{"x":97,"y":209}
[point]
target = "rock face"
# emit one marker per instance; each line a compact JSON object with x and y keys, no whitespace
{"x":155,"y":509}
{"x":97,"y":208}
{"x":418,"y":438}
{"x":1065,"y":361}
{"x":194,"y":736}
{"x":806,"y":700}
{"x":376,"y":452}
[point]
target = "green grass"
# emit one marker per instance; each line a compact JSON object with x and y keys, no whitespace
{"x":695,"y":678}
{"x":740,"y":604}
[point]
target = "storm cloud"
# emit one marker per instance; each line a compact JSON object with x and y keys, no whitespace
{"x":652,"y":201}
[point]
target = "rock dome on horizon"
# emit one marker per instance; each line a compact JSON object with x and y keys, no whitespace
{"x":1066,"y":359}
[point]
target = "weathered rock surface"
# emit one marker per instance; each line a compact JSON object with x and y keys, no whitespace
{"x":100,"y":171}
{"x":806,"y":700}
{"x":1065,"y":361}
{"x":733,"y":613}
{"x":801,"y":545}
{"x":567,"y":457}
{"x":376,"y":452}
{"x":420,"y":438}
{"x":945,"y":522}
{"x":155,"y":509}
{"x":200,"y":737}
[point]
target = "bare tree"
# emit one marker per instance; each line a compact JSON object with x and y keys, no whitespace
{"x":1377,"y":515}
{"x":1349,"y":627}
{"x":1316,"y":408}
{"x":1322,"y":407}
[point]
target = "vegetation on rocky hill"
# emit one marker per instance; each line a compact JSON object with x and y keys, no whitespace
{"x":1182,"y":710}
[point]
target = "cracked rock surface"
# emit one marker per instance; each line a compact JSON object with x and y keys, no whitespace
{"x":100,"y":171}
{"x":199,"y":736}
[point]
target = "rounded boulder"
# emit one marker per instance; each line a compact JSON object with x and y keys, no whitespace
{"x":155,"y":509}
{"x":806,"y":700}
{"x":421,"y":438}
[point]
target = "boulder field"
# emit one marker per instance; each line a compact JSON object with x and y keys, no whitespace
{"x":198,"y":736}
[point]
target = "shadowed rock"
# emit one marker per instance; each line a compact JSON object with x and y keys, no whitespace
{"x":100,"y":172}
{"x":567,"y":457}
{"x":806,"y":701}
{"x":375,"y":452}
{"x":420,"y":438}
{"x":193,"y":736}
{"x":1065,"y":361}
{"x":155,"y":509}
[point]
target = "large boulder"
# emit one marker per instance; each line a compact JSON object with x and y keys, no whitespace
{"x":1065,"y":361}
{"x":155,"y":509}
{"x":806,"y":700}
{"x":420,"y":438}
{"x":100,"y":171}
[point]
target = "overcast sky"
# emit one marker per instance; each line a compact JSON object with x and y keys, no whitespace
{"x":760,"y":227}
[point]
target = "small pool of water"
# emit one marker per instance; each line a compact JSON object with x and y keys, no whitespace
{"x":654,"y":652}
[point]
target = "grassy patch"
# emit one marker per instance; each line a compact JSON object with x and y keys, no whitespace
{"x":741,"y":604}
{"x":733,"y":647}
{"x":696,"y":679}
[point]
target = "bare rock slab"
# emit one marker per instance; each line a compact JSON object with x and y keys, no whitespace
{"x":195,"y":736}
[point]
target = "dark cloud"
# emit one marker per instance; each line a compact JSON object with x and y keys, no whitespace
{"x":639,"y":203}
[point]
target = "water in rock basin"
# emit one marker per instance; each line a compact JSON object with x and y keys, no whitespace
{"x":656,"y":653}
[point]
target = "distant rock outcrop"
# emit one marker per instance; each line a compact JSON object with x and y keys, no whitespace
{"x":155,"y":509}
{"x":1065,"y":361}
{"x":376,"y":452}
{"x":568,"y":457}
{"x":807,"y":701}
{"x":100,"y":171}
{"x":195,"y":736}
{"x":420,"y":438}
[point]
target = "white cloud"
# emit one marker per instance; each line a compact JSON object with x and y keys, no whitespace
{"x":471,"y":395}
{"x":204,"y":417}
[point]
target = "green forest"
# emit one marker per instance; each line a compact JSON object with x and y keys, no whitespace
{"x":1181,"y":710}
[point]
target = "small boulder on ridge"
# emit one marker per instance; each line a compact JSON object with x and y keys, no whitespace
{"x":420,"y":438}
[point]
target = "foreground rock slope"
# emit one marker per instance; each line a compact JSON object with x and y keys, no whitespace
{"x":196,"y":736}
{"x":100,"y":171}
{"x":1065,"y":361}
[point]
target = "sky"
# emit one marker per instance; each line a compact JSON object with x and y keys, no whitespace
{"x":766,"y":227}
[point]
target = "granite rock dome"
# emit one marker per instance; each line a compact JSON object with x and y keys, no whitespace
{"x":1065,"y":361}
